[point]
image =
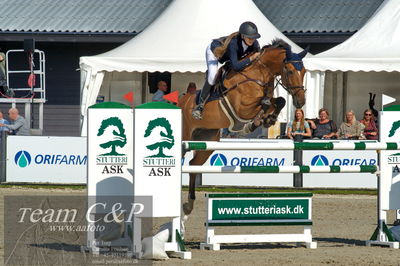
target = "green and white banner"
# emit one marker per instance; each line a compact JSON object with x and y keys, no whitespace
{"x":263,"y":208}
{"x":110,"y":150}
{"x":390,"y":161}
{"x":158,"y":130}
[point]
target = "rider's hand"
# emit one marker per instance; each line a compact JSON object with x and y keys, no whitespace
{"x":254,"y":56}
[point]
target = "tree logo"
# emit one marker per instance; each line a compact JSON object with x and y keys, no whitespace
{"x":394,"y":128}
{"x":113,"y":129}
{"x":163,"y":134}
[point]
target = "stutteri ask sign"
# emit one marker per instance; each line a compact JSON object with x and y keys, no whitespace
{"x":389,"y":131}
{"x":110,"y":150}
{"x":157,"y":169}
{"x":262,"y":207}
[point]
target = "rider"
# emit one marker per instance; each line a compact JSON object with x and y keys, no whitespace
{"x":230,"y":49}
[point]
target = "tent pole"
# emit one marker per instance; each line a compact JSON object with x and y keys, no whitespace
{"x":144,"y":86}
{"x":344,"y":86}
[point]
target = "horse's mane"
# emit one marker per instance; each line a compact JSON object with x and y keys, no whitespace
{"x":278,"y":43}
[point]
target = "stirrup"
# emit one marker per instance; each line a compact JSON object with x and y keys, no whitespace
{"x":197,"y":112}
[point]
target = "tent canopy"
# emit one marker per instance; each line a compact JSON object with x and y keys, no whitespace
{"x":176,"y":41}
{"x":375,"y":47}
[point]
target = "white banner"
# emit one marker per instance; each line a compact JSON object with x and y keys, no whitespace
{"x":110,"y":151}
{"x":158,"y":135}
{"x":246,"y":158}
{"x":339,"y":158}
{"x":46,"y":159}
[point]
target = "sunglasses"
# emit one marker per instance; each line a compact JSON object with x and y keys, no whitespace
{"x":367,"y":114}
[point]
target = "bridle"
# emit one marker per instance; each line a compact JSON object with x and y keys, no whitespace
{"x":290,"y":89}
{"x":285,"y":72}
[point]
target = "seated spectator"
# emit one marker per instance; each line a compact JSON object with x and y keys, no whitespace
{"x":351,"y":128}
{"x":370,"y":130}
{"x":323,"y":128}
{"x":3,"y":121}
{"x":298,"y":128}
{"x":191,"y":88}
{"x":161,"y":90}
{"x":18,"y":125}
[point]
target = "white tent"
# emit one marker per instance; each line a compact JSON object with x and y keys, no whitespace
{"x":375,"y":47}
{"x":175,"y":42}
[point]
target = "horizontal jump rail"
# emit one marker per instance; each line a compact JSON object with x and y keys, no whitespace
{"x":280,"y":169}
{"x":216,"y":145}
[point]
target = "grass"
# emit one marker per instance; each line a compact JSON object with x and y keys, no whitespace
{"x":330,"y":191}
{"x":44,"y":186}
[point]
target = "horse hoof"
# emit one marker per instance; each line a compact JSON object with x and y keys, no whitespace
{"x":187,"y":208}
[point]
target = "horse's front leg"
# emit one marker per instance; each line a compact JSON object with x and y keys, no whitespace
{"x":273,"y":111}
{"x":199,"y":158}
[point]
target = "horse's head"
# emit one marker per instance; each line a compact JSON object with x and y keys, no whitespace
{"x":282,"y":61}
{"x":292,"y":76}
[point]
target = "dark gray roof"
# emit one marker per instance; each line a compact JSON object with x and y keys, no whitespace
{"x":318,"y":15}
{"x":132,"y":16}
{"x":92,"y":16}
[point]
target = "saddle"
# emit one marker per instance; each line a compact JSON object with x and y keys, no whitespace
{"x":218,"y":90}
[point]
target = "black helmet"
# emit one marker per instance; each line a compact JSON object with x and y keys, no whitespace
{"x":249,"y":29}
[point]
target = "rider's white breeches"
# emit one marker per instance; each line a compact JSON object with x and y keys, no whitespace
{"x":212,"y":65}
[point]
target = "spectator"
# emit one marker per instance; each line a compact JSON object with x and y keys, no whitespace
{"x":370,"y":130}
{"x":299,"y":128}
{"x":162,"y":88}
{"x":3,"y":121}
{"x":191,"y":88}
{"x":351,"y":128}
{"x":18,"y":125}
{"x":323,"y":128}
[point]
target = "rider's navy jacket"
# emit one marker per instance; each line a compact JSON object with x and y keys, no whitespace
{"x":235,"y":52}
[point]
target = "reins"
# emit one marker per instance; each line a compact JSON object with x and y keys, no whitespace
{"x":265,"y":85}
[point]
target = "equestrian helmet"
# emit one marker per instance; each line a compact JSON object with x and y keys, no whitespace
{"x":249,"y":29}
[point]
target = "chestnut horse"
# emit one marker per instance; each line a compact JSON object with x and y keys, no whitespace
{"x":246,"y":92}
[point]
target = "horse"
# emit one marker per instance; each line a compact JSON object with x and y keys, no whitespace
{"x":246,"y":93}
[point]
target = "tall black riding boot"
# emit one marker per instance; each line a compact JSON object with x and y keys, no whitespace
{"x":205,"y":91}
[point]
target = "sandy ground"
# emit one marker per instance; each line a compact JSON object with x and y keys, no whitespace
{"x":341,"y":226}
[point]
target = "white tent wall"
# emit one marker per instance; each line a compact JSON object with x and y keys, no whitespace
{"x":349,"y":91}
{"x":180,"y":81}
{"x":314,"y":84}
{"x":369,"y":61}
{"x":359,"y":84}
{"x":116,"y":84}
